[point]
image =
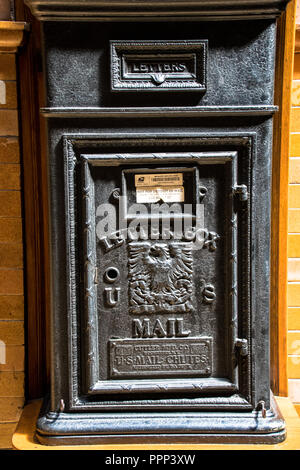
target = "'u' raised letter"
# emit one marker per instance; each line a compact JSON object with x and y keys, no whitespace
{"x":112,"y":296}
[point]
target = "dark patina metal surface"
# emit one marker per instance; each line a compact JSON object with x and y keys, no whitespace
{"x":153,"y":339}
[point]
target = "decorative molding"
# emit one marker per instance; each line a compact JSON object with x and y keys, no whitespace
{"x":169,"y":111}
{"x":141,"y":10}
{"x":253,"y":427}
{"x":231,"y":402}
{"x":11,"y":35}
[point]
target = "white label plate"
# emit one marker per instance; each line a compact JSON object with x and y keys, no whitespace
{"x":159,"y":179}
{"x":155,"y":194}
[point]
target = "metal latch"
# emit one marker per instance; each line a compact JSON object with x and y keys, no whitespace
{"x":261,"y":404}
{"x":242,"y":346}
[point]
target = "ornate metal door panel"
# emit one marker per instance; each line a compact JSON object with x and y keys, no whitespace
{"x":165,"y":305}
{"x":160,"y":144}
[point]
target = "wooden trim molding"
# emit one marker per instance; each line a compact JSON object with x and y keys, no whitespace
{"x":107,"y":10}
{"x":35,"y":200}
{"x":11,"y":35}
{"x":283,"y":88}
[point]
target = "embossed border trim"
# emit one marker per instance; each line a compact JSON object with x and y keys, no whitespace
{"x":120,"y":50}
{"x":90,"y":269}
{"x":75,"y":147}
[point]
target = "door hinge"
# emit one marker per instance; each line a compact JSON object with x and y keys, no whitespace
{"x":241,"y":190}
{"x":242,"y":346}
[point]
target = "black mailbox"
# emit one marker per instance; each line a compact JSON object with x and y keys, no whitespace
{"x":160,"y":139}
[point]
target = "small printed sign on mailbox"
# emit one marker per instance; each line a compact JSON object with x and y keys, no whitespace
{"x":157,"y":357}
{"x":166,"y":187}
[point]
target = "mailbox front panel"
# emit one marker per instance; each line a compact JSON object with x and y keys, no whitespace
{"x":157,"y":239}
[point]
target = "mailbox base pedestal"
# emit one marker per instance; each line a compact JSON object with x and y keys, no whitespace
{"x":165,"y":427}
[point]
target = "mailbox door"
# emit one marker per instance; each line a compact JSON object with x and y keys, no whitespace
{"x":158,"y":236}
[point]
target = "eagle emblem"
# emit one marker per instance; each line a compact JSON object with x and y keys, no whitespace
{"x":160,"y":277}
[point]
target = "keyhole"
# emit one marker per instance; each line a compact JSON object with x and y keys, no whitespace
{"x":111,"y":274}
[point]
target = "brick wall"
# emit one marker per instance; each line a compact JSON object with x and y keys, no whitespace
{"x":294,"y":243}
{"x":11,"y":256}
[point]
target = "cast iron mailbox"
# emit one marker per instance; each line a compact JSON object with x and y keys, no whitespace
{"x":160,"y":140}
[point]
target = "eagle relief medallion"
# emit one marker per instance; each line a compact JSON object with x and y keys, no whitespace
{"x":160,"y":277}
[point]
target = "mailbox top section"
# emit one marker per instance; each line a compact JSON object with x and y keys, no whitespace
{"x":172,"y":65}
{"x":156,"y":10}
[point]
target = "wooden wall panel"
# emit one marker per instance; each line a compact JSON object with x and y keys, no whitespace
{"x":12,"y":349}
{"x":11,"y":307}
{"x":294,"y":196}
{"x":6,"y":432}
{"x":10,"y":176}
{"x":11,"y":255}
{"x":294,"y":221}
{"x":294,"y":170}
{"x":294,"y":318}
{"x":294,"y":245}
{"x":295,"y":142}
{"x":9,"y":122}
{"x":280,"y":216}
{"x":9,"y":149}
{"x":293,"y":294}
{"x":14,"y":360}
{"x":10,"y":408}
{"x":293,"y":338}
{"x":293,"y":366}
{"x":7,"y":67}
{"x":35,"y":207}
{"x":294,"y":269}
{"x":11,"y":385}
{"x":293,"y":343}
